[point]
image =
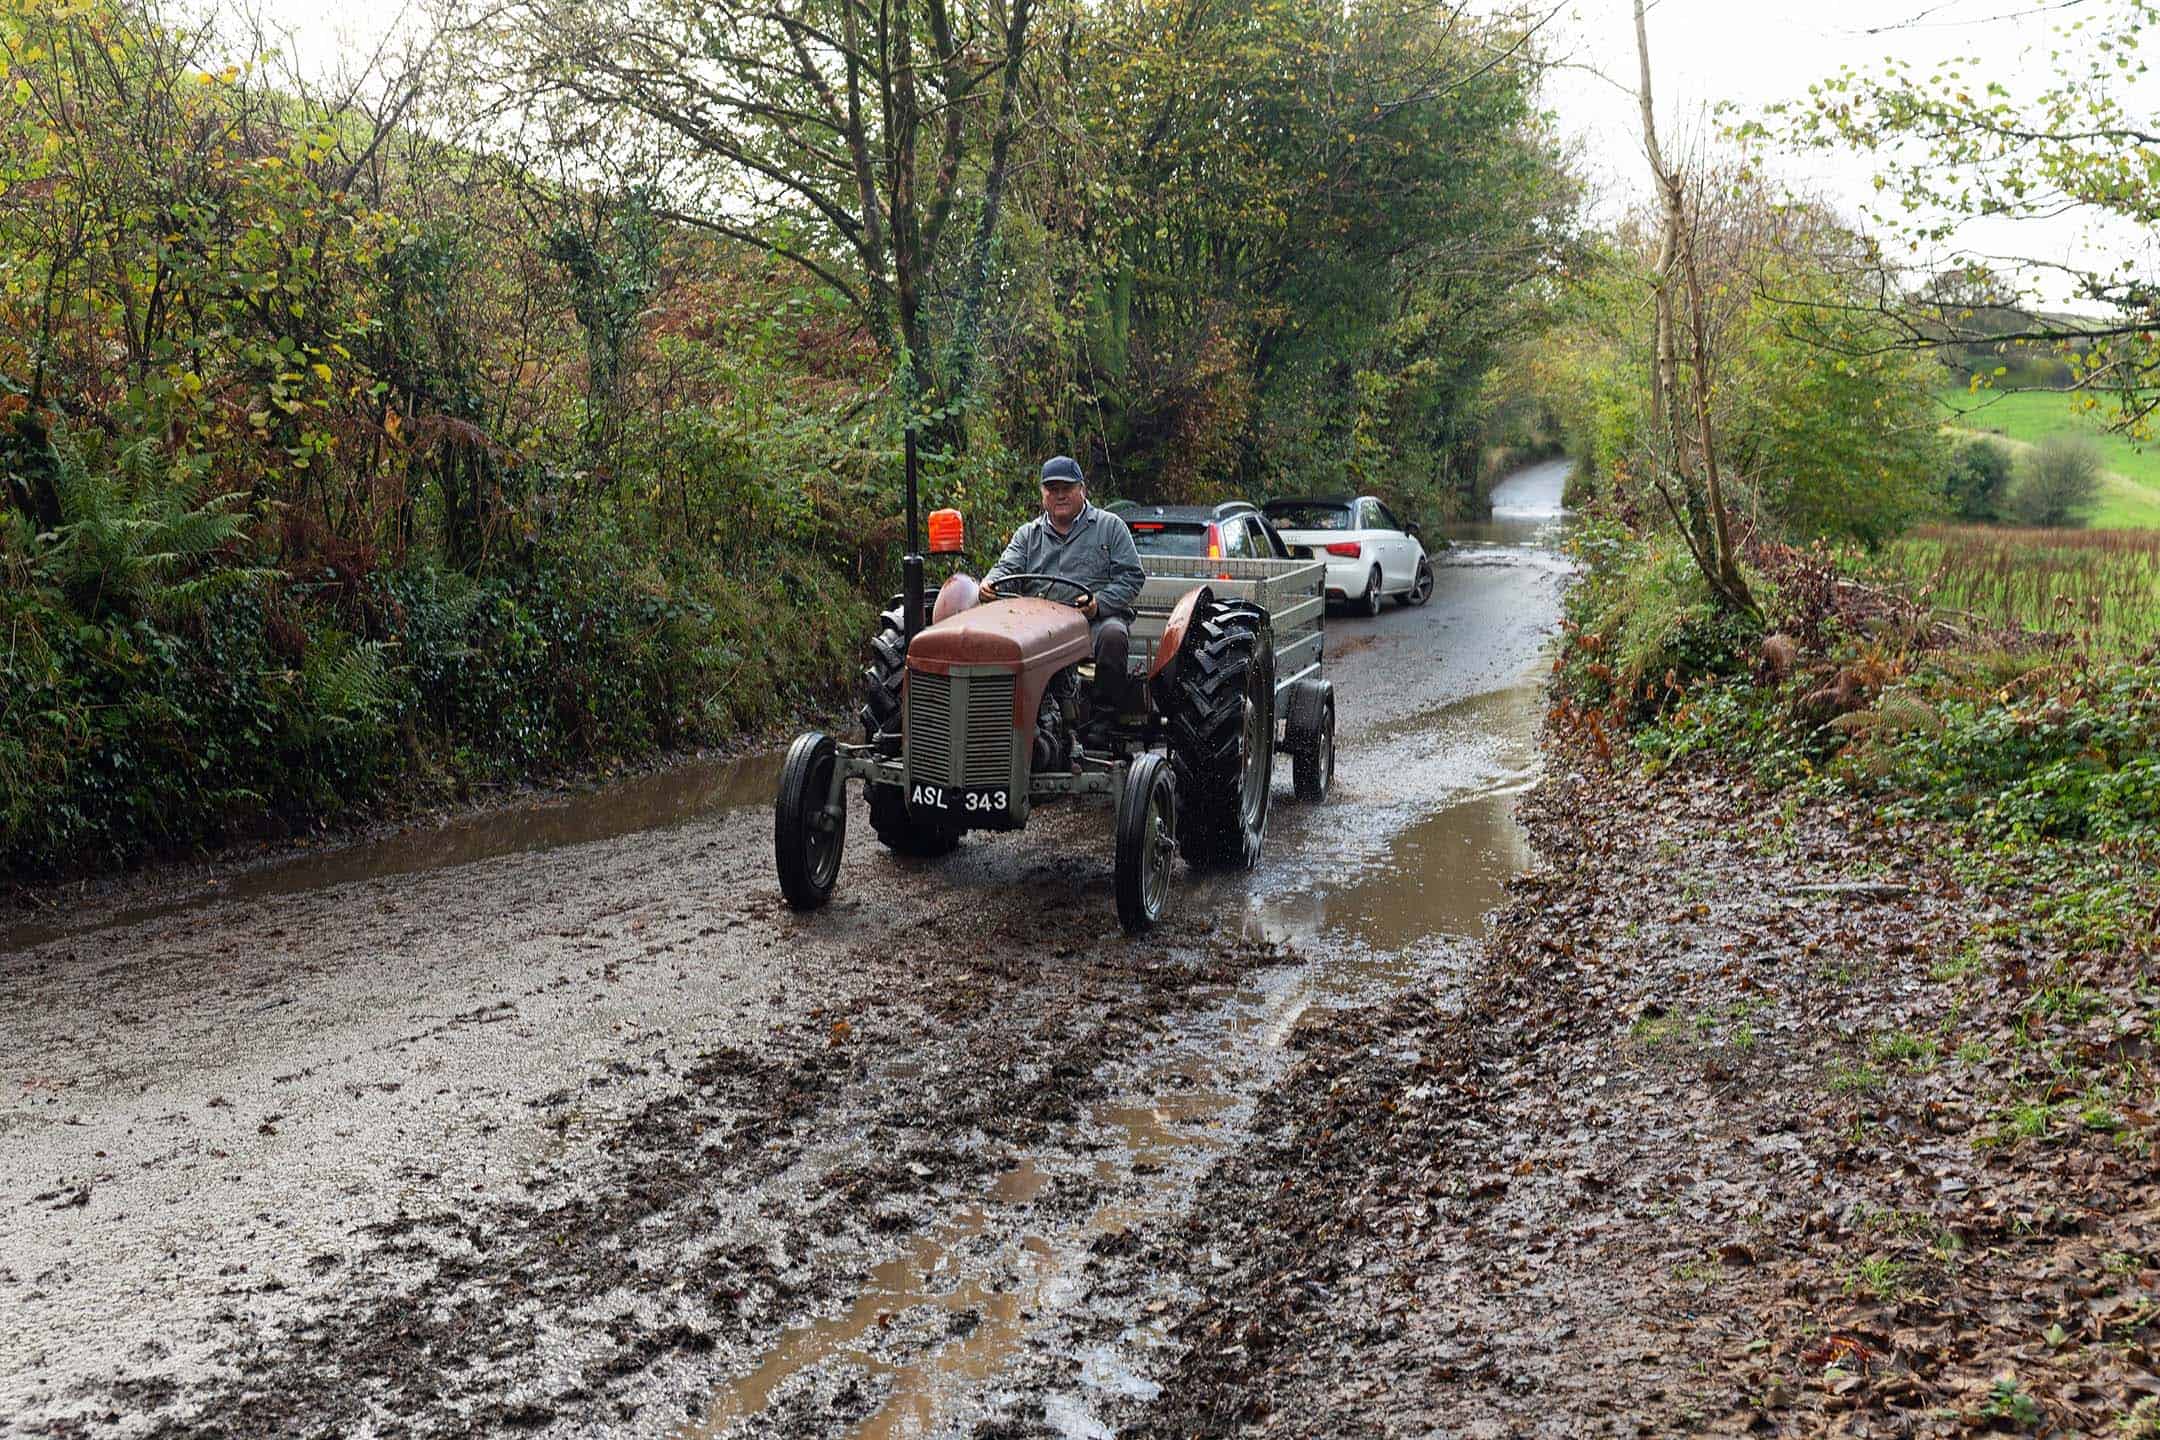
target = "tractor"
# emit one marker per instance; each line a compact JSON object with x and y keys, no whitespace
{"x":975,"y":712}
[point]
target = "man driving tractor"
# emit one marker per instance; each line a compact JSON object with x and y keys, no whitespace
{"x":1075,"y":541}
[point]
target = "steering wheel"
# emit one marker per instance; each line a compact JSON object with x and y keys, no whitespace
{"x":1034,"y":583}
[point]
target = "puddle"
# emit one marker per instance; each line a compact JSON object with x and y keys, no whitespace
{"x":1425,"y":839}
{"x":1440,"y":878}
{"x":970,"y":1291}
{"x":1385,"y":887}
{"x":654,"y":801}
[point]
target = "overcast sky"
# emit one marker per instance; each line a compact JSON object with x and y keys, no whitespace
{"x":1750,"y":52}
{"x":1755,"y":53}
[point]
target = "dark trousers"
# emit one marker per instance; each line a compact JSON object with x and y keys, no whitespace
{"x":1113,"y":648}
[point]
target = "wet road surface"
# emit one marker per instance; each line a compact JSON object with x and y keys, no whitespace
{"x":559,"y":1122}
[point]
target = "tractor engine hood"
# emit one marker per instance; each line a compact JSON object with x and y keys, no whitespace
{"x":1015,"y":635}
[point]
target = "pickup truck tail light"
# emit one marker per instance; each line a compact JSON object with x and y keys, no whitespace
{"x":1345,"y":547}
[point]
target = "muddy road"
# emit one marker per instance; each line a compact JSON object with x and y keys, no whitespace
{"x":558,"y":1122}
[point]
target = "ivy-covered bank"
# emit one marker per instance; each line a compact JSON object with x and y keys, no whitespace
{"x":2033,"y":745}
{"x":126,"y":733}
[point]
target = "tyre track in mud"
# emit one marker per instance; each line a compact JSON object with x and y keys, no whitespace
{"x":572,"y":1142}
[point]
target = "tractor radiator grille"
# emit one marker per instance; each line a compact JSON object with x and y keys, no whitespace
{"x":960,"y":732}
{"x":929,"y":727}
{"x":989,"y":742}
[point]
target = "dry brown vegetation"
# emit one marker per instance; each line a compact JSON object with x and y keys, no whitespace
{"x":2100,"y":586}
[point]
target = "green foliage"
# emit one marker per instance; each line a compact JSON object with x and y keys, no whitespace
{"x":347,"y":518}
{"x":1644,"y":630}
{"x":2007,"y":1402}
{"x":2050,"y":757}
{"x":2055,"y":766}
{"x":130,"y":544}
{"x":1834,"y":430}
{"x":2077,"y":139}
{"x":1826,"y":432}
{"x":1977,"y":480}
{"x":1303,"y":234}
{"x":2058,"y":483}
{"x":123,"y":738}
{"x":2130,"y":486}
{"x":120,"y":738}
{"x":1742,"y":721}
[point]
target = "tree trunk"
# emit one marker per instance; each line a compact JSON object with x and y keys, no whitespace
{"x":1699,"y":507}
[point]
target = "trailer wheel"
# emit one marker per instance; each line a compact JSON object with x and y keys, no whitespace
{"x":807,"y":838}
{"x":1309,"y":736}
{"x":1147,"y":831}
{"x":1217,"y":700}
{"x":901,"y":832}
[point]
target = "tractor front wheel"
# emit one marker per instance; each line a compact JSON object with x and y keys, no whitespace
{"x":1146,"y":839}
{"x":809,"y":832}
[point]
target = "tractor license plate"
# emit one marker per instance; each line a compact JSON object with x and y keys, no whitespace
{"x":961,"y":799}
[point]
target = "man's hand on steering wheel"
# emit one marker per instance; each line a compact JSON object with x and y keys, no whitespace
{"x":1030,"y":583}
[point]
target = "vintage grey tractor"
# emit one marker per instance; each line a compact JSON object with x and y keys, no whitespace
{"x":976,"y":712}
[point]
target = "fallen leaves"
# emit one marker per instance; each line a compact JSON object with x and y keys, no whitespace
{"x":1720,"y":1107}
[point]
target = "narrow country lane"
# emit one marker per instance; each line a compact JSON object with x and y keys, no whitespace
{"x":559,"y":1122}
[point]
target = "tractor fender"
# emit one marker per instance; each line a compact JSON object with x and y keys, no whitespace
{"x":955,"y":595}
{"x":1173,"y":635}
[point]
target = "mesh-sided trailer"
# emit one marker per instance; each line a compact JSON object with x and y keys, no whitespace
{"x":1293,"y":592}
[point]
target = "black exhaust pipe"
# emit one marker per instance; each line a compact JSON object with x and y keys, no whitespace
{"x":911,"y":565}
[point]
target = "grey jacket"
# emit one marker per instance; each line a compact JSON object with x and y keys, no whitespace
{"x":1097,"y":552}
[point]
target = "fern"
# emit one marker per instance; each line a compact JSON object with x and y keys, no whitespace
{"x":129,"y":543}
{"x":349,"y":686}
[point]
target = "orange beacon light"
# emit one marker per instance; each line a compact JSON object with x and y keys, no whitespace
{"x":948,"y":532}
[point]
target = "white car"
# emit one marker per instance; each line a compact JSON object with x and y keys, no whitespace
{"x":1369,"y":552}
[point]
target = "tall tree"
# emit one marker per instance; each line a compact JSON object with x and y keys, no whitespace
{"x":867,"y":144}
{"x":1685,"y":470}
{"x":1295,"y":230}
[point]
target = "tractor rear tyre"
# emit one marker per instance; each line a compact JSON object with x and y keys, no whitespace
{"x":1309,"y":736}
{"x":1217,"y":699}
{"x":807,"y":838}
{"x":882,"y":676}
{"x":901,"y":832}
{"x":1147,"y":828}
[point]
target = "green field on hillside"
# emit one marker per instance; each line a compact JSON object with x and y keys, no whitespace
{"x":2130,"y":494}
